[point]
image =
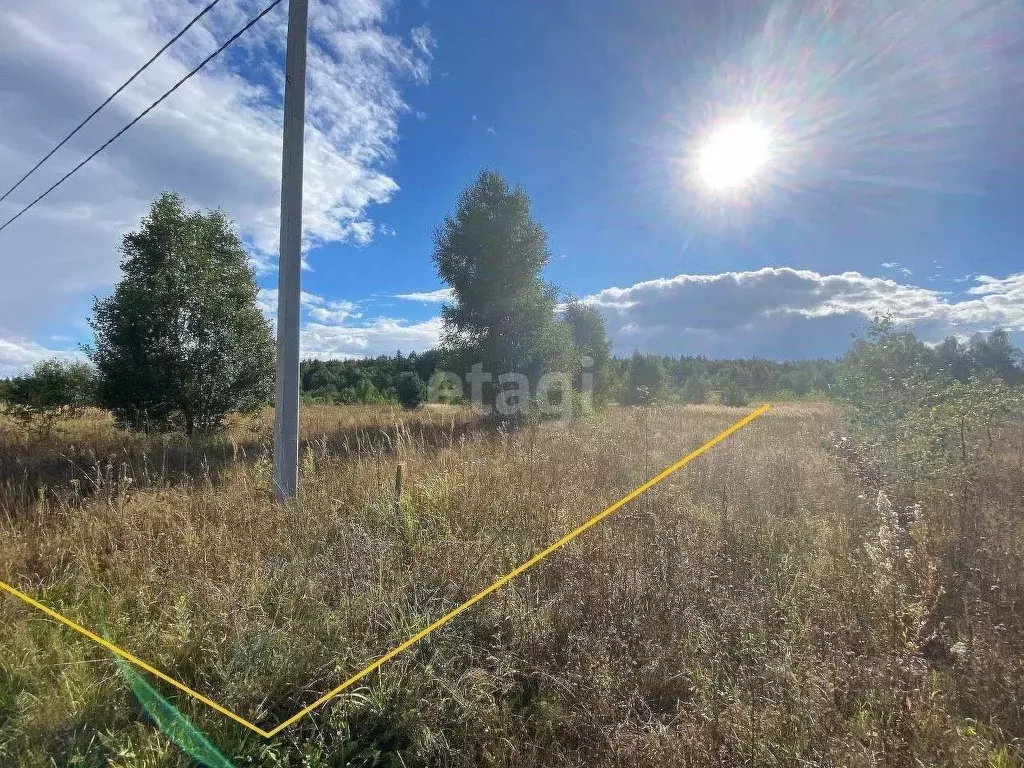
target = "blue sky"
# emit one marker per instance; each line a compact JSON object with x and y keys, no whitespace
{"x":894,"y":182}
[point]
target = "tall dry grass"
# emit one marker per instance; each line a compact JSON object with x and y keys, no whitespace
{"x":753,"y":609}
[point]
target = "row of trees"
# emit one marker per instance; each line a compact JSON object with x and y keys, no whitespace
{"x":57,"y":390}
{"x":645,"y":378}
{"x":181,"y":342}
{"x":371,"y":380}
{"x":636,"y":379}
{"x":686,"y":379}
{"x":891,"y":376}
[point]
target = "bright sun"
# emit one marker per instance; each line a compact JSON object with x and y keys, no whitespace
{"x":733,"y":154}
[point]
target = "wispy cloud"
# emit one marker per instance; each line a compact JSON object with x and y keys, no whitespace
{"x":427,"y":297}
{"x":895,"y":265}
{"x":341,"y":329}
{"x":217,"y":140}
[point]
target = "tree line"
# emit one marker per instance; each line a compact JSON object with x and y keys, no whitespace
{"x":56,"y":390}
{"x":636,"y":379}
{"x":381,"y":379}
{"x":181,"y":342}
{"x":641,"y":378}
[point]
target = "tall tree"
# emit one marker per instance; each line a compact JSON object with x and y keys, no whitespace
{"x":491,"y":253}
{"x":995,"y":355}
{"x":646,"y":378}
{"x":886,"y":374}
{"x":181,"y":342}
{"x":590,"y":339}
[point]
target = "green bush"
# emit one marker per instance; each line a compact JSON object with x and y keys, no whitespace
{"x":735,"y":396}
{"x":410,"y":389}
{"x":694,"y":390}
{"x":54,"y":391}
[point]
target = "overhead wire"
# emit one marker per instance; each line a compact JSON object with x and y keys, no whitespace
{"x":145,"y":112}
{"x":111,"y":97}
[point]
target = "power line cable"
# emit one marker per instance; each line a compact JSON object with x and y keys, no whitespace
{"x":110,"y":98}
{"x":145,"y":112}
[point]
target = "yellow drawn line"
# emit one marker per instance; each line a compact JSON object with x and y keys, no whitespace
{"x":419,"y":635}
{"x":127,"y":656}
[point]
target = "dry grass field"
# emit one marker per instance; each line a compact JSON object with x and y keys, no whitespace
{"x":765,"y":606}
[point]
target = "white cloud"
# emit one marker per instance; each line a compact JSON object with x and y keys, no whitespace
{"x":790,"y":313}
{"x":335,"y":312}
{"x":266,"y":299}
{"x":216,"y":141}
{"x":423,"y":39}
{"x":384,"y":335}
{"x":337,"y":329}
{"x":17,"y":357}
{"x":1012,"y":285}
{"x":427,"y":297}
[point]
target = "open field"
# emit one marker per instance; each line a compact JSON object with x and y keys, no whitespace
{"x":760,"y":607}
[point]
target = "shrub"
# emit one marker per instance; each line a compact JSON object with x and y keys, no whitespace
{"x":410,"y":390}
{"x":54,"y":391}
{"x":735,"y":396}
{"x":694,"y":390}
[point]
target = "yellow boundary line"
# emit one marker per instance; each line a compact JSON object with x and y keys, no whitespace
{"x":419,"y":635}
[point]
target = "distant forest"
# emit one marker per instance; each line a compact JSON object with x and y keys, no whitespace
{"x":58,"y":388}
{"x":369,"y":380}
{"x":670,"y":379}
{"x":683,"y":379}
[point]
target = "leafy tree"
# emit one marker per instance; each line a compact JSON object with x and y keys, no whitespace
{"x":952,"y":359}
{"x":54,"y":391}
{"x":734,"y":395}
{"x":366,"y":392}
{"x":694,"y":390}
{"x":886,"y":374}
{"x":995,"y":356}
{"x":491,"y":253}
{"x":590,"y":339}
{"x":760,"y":375}
{"x":411,"y":390}
{"x":646,"y":379}
{"x":182,"y":342}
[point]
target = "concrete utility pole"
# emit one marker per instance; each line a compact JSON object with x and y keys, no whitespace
{"x":286,"y":398}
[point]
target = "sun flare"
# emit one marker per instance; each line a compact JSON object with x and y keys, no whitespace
{"x":733,"y":155}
